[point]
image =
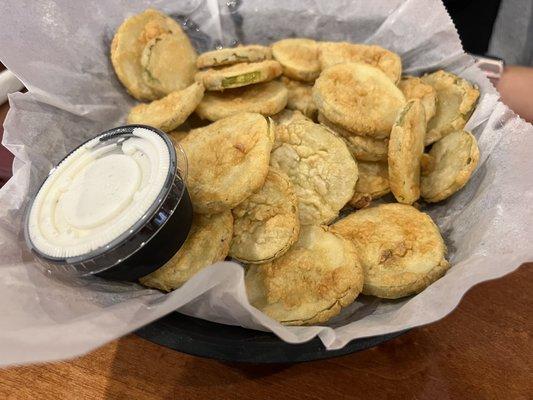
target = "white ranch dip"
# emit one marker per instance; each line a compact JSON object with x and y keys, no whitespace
{"x":98,"y":193}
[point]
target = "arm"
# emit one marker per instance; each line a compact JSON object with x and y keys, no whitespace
{"x":516,"y":89}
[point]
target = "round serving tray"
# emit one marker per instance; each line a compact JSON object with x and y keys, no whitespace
{"x":235,"y":344}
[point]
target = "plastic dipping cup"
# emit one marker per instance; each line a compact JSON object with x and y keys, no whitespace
{"x":117,"y":206}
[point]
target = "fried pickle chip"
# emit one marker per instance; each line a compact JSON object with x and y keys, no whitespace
{"x":456,"y":100}
{"x":413,"y":88}
{"x":359,"y":98}
{"x":373,"y":183}
{"x":170,"y":111}
{"x":406,"y":145}
{"x":320,"y":167}
{"x":286,"y":117}
{"x":238,"y":75}
{"x":310,"y":283}
{"x":298,"y":58}
{"x":266,"y":223}
{"x":332,"y":53}
{"x":169,"y":62}
{"x":208,"y":242}
{"x":400,"y":248}
{"x":300,"y":97}
{"x":363,"y":148}
{"x":266,"y":98}
{"x":227,"y":161}
{"x":128,"y":44}
{"x":455,"y":159}
{"x":234,"y":55}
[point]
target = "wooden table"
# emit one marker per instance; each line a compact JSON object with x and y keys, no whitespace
{"x":483,"y":350}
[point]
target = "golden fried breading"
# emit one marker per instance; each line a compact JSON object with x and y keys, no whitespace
{"x":233,"y":55}
{"x":310,"y":283}
{"x":332,"y":53}
{"x":456,"y":100}
{"x":208,"y":242}
{"x":300,"y":97}
{"x":285,"y":117}
{"x":227,"y":161}
{"x":266,"y":98}
{"x":373,"y":183}
{"x":401,"y":249}
{"x":363,"y":148}
{"x":406,"y":145}
{"x":320,"y":166}
{"x":238,"y":75}
{"x":367,"y":149}
{"x":128,"y":44}
{"x":413,"y":88}
{"x":298,"y":58}
{"x":427,"y":164}
{"x":193,"y":122}
{"x":359,"y":98}
{"x":266,"y":223}
{"x":170,"y":111}
{"x":177,"y":135}
{"x":169,"y":62}
{"x":455,"y":159}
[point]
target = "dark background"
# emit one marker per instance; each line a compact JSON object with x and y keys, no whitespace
{"x":474,"y":20}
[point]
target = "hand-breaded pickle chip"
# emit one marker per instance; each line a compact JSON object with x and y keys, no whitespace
{"x":286,"y":117}
{"x":320,"y":166}
{"x":233,"y":55}
{"x":406,"y":145}
{"x":208,"y":242}
{"x":373,"y":182}
{"x":168,"y":62}
{"x":170,"y":111}
{"x":300,"y":97}
{"x":266,"y":98}
{"x":227,"y":161}
{"x":298,"y":57}
{"x":401,"y":249}
{"x":456,"y":156}
{"x":359,"y":98}
{"x":332,"y":53}
{"x":413,"y":88}
{"x":266,"y":223}
{"x":127,"y":47}
{"x":310,"y":283}
{"x":363,"y":148}
{"x":456,"y":100}
{"x":238,"y":75}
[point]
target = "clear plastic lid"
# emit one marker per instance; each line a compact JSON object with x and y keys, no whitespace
{"x":105,"y":200}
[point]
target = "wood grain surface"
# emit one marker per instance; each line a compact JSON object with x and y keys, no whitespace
{"x":483,"y":350}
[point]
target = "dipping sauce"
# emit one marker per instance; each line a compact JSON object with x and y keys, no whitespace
{"x":108,"y":199}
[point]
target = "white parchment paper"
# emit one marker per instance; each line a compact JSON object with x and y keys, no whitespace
{"x":60,"y":49}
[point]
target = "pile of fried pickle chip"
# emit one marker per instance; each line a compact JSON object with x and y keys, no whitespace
{"x":281,"y":138}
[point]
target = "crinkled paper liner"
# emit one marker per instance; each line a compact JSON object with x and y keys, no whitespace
{"x":59,"y":49}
